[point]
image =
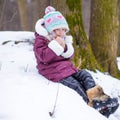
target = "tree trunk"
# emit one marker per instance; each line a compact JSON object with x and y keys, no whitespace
{"x":118,"y":51}
{"x":86,"y":15}
{"x":9,"y":20}
{"x":104,"y":33}
{"x":43,"y":4}
{"x":71,"y":9}
{"x":22,"y":5}
{"x":2,"y":12}
{"x":38,"y":10}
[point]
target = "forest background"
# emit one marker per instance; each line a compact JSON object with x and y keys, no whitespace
{"x":94,"y":25}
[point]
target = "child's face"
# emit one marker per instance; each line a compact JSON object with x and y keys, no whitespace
{"x":61,"y":32}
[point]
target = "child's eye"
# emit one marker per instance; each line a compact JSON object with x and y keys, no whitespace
{"x":64,"y":30}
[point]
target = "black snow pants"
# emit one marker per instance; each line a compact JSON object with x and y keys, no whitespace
{"x":80,"y":82}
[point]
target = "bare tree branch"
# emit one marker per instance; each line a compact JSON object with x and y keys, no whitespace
{"x":10,"y":20}
{"x":2,"y":11}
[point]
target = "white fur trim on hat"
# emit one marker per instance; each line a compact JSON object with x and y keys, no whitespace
{"x":39,"y":28}
{"x":56,"y":47}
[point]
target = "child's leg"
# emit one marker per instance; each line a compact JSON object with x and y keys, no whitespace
{"x":93,"y":92}
{"x":85,"y":79}
{"x":105,"y":107}
{"x":71,"y":82}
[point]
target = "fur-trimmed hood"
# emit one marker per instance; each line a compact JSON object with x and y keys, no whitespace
{"x":39,"y":28}
{"x":54,"y":45}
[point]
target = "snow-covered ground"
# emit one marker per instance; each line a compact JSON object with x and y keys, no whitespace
{"x":27,"y":95}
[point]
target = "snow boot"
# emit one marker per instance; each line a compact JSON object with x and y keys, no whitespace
{"x":106,"y":107}
{"x":96,"y":93}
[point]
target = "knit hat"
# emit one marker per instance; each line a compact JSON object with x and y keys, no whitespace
{"x":54,"y":19}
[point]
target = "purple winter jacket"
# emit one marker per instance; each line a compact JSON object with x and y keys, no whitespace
{"x":52,"y":63}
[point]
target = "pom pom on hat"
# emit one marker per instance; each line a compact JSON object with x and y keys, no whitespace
{"x":54,"y":20}
{"x":49,"y":9}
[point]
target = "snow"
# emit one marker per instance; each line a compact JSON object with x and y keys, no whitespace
{"x":27,"y":95}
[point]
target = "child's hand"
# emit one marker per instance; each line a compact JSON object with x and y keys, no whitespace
{"x":60,"y":41}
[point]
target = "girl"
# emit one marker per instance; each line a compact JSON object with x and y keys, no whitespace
{"x":53,"y":50}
